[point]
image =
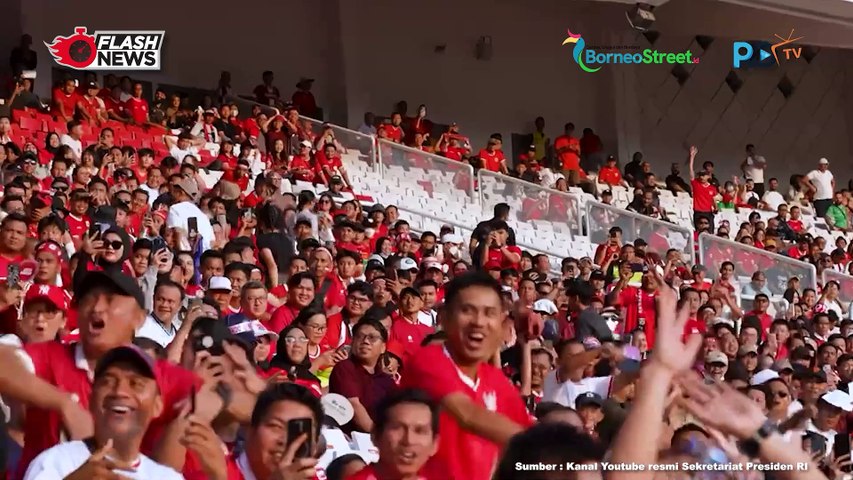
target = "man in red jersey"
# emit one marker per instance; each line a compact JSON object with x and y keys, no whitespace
{"x":481,"y":409}
{"x":91,"y":107}
{"x":406,"y":434}
{"x":704,"y":205}
{"x":406,"y":327}
{"x":65,"y":101}
{"x":136,"y":106}
{"x":13,"y":241}
{"x":300,"y":294}
{"x":492,"y":156}
{"x":110,"y":308}
{"x":394,"y":131}
{"x":638,"y":303}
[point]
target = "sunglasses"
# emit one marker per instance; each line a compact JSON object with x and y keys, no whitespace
{"x":115,"y":244}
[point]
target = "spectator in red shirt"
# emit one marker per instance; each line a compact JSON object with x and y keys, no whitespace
{"x":137,"y":107}
{"x":303,"y":99}
{"x":394,"y":131}
{"x":91,"y":107}
{"x":360,"y":378}
{"x":481,"y":409}
{"x":610,"y":174}
{"x":330,"y":164}
{"x":266,"y":93}
{"x":13,"y":241}
{"x":704,"y":205}
{"x":499,"y":255}
{"x":404,"y":455}
{"x":65,"y":100}
{"x":492,"y":156}
{"x":568,"y":150}
{"x":302,"y":165}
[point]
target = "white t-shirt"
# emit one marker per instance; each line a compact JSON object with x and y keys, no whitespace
{"x":823,"y":183}
{"x":751,"y":170}
{"x":152,"y":193}
{"x":76,"y":145}
{"x":773,"y":199}
{"x":155,"y":330}
{"x":63,"y":459}
{"x":180,"y":154}
{"x":565,"y":393}
{"x":179,"y":215}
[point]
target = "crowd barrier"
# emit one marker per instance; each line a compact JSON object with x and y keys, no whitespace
{"x":433,"y":172}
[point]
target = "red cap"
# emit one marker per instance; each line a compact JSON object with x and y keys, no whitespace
{"x":51,"y":293}
{"x":396,"y":348}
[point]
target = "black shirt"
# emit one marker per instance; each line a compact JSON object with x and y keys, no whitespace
{"x":281,"y":246}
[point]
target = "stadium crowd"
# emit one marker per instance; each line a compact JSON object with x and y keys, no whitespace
{"x":162,"y":325}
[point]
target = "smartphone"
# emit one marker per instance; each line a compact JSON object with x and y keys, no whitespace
{"x":94,"y":230}
{"x":297,"y":427}
{"x":157,"y":244}
{"x":192,"y":227}
{"x":194,"y":302}
{"x":221,"y":220}
{"x":391,"y":273}
{"x":247,"y":214}
{"x":841,"y":446}
{"x":13,"y":274}
{"x":345,"y":349}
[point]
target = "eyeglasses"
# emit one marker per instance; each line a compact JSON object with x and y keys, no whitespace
{"x":371,"y":338}
{"x":115,"y":244}
{"x":317,"y":328}
{"x":292,"y":340}
{"x":355,"y":299}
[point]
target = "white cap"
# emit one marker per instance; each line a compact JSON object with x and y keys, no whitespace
{"x":763,"y":376}
{"x":451,"y":238}
{"x":219,"y":283}
{"x":407,"y":263}
{"x":432,"y":262}
{"x":823,"y":161}
{"x":376,"y":257}
{"x":545,"y":305}
{"x":839,"y":399}
{"x":337,"y":407}
{"x":260,"y":331}
{"x":306,"y":143}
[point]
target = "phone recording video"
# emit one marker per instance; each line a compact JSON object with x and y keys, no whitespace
{"x":295,"y":428}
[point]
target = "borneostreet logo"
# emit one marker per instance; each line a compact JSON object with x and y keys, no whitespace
{"x":108,"y":49}
{"x":588,"y":58}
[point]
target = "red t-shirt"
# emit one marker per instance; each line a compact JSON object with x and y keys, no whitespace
{"x":610,"y":175}
{"x":455,"y":153}
{"x":77,"y":227}
{"x":137,"y":108}
{"x":634,"y":301}
{"x":92,"y":106}
{"x":369,"y":473}
{"x":409,"y":334}
{"x":69,"y":102}
{"x":692,"y":326}
{"x":463,"y":454}
{"x":64,"y":366}
{"x":298,"y":162}
{"x":703,"y":196}
{"x":491,"y":161}
{"x":498,"y":260}
{"x":395,"y":134}
{"x":569,"y":159}
{"x":113,"y":105}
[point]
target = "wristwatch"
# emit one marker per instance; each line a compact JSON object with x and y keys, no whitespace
{"x":752,"y":445}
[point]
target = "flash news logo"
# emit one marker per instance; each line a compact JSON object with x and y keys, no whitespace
{"x":766,"y":54}
{"x":108,"y":50}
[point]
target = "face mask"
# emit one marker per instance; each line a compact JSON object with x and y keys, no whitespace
{"x":453,"y":250}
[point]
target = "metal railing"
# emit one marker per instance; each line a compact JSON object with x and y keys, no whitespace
{"x":432,"y":223}
{"x":546,"y":204}
{"x":845,"y":283}
{"x":349,"y":139}
{"x":713,"y":251}
{"x":658,"y":234}
{"x":433,"y":172}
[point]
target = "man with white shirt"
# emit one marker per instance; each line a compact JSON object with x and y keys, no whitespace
{"x":831,"y":408}
{"x":368,"y":127}
{"x":753,"y":169}
{"x":771,"y":198}
{"x":184,"y":194}
{"x":570,"y":379}
{"x":125,"y":398}
{"x":162,"y":324}
{"x":72,"y":138}
{"x":823,"y":183}
{"x":184,"y":145}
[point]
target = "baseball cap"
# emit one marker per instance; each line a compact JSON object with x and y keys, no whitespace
{"x":432,"y":262}
{"x":544,"y":306}
{"x":823,"y":161}
{"x":763,"y":376}
{"x":92,"y":85}
{"x":782,"y":365}
{"x":336,"y":179}
{"x":597,"y":275}
{"x":407,"y":264}
{"x":531,"y":148}
{"x":189,"y":186}
{"x":396,"y":348}
{"x":409,"y":291}
{"x":305,"y":143}
{"x":219,"y":283}
{"x":451,"y":238}
{"x":128,"y":354}
{"x":337,"y":407}
{"x":716,"y":356}
{"x":838,"y":399}
{"x":115,"y":282}
{"x":253,"y":328}
{"x":210,"y":111}
{"x":50,"y":293}
{"x":588,"y":399}
{"x":747,"y":349}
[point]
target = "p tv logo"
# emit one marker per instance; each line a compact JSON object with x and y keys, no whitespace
{"x":753,"y":55}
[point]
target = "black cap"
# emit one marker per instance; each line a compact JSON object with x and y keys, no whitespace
{"x":597,"y":275}
{"x":117,"y":282}
{"x":130,"y":354}
{"x":587,"y":399}
{"x":374,"y":265}
{"x":410,"y":291}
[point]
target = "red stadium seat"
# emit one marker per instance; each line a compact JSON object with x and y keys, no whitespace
{"x":31,"y":124}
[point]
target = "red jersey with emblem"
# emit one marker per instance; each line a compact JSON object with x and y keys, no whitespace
{"x":77,"y":226}
{"x":369,"y":473}
{"x":93,"y":106}
{"x":394,"y":133}
{"x":68,"y":102}
{"x":693,"y":326}
{"x":703,"y":196}
{"x":491,"y":161}
{"x":569,"y":159}
{"x":463,"y":454}
{"x":137,"y":109}
{"x":638,"y":304}
{"x":57,"y":364}
{"x":410,"y":334}
{"x":497,"y":260}
{"x":302,"y":162}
